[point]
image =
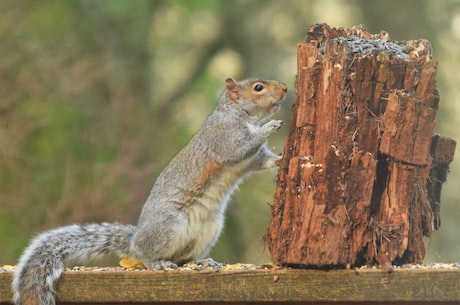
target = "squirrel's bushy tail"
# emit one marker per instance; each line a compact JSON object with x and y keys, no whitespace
{"x":43,"y":261}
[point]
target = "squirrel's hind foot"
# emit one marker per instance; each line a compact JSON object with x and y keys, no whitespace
{"x":161,"y":265}
{"x":207,"y":263}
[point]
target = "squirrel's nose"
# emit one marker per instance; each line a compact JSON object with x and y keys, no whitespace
{"x":284,"y":87}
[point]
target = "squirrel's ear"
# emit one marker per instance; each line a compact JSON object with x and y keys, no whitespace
{"x":233,"y":92}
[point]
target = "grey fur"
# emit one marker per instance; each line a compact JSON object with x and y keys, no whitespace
{"x":184,"y":213}
{"x":44,"y":259}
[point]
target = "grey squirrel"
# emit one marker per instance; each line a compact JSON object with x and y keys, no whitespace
{"x":183,"y":216}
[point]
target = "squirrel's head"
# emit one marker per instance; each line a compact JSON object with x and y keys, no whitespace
{"x":257,"y":97}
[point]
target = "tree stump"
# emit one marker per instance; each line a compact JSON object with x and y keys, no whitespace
{"x":361,"y":174}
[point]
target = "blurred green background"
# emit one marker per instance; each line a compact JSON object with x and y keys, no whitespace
{"x":97,"y":96}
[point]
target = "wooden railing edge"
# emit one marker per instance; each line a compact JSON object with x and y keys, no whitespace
{"x":440,"y":286}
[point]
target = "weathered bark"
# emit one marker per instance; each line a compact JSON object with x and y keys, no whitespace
{"x":360,"y":177}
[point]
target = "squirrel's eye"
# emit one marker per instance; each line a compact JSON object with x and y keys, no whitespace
{"x":259,"y":87}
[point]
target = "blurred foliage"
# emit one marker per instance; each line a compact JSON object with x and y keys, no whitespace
{"x":97,"y":96}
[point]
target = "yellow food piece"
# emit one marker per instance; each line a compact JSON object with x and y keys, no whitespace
{"x":129,"y":262}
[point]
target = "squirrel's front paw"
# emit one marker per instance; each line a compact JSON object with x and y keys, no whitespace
{"x":272,"y":162}
{"x":272,"y":126}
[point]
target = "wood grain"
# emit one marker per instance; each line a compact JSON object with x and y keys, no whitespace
{"x":361,"y":174}
{"x":278,"y":285}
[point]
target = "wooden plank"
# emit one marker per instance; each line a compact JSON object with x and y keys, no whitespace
{"x":278,"y":285}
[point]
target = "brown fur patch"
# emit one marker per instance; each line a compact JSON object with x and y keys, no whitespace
{"x":210,"y":171}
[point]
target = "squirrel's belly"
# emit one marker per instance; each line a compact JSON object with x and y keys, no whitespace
{"x":205,"y":215}
{"x":205,"y":220}
{"x":196,"y":238}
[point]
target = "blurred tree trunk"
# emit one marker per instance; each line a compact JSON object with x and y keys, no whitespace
{"x":123,"y":41}
{"x":354,"y":183}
